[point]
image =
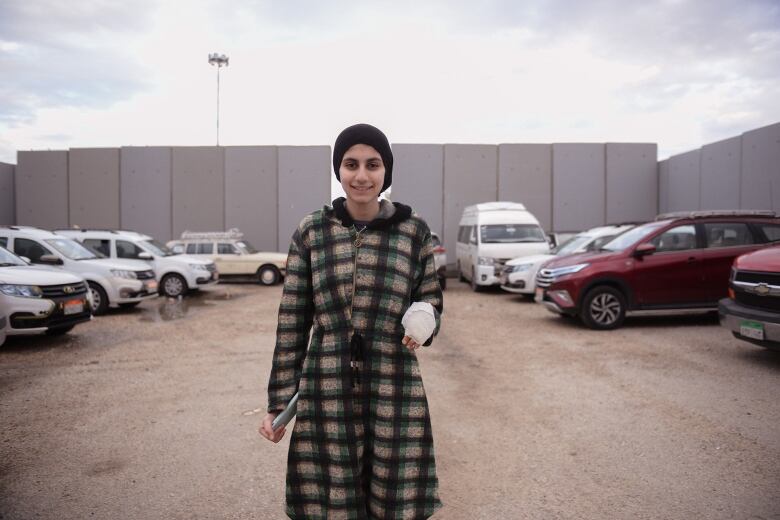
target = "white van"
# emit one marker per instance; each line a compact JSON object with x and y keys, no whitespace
{"x":492,"y":233}
{"x":114,"y":283}
{"x":176,"y":274}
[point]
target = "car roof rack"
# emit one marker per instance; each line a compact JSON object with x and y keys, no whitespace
{"x":230,"y":234}
{"x":717,"y":213}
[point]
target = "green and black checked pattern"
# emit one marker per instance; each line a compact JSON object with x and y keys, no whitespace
{"x":364,"y":452}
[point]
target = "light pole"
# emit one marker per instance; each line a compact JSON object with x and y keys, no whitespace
{"x":220,"y":60}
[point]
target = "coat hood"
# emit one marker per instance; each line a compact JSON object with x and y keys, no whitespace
{"x":389,"y":213}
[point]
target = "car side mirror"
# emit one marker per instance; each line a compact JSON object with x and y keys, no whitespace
{"x":552,"y":240}
{"x":144,"y":256}
{"x":50,"y":260}
{"x":644,"y":250}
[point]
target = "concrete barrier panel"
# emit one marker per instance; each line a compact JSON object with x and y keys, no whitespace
{"x":579,"y":181}
{"x":93,"y":179}
{"x":418,"y":181}
{"x":525,"y":175}
{"x":145,"y":190}
{"x":470,"y":177}
{"x":198,"y":189}
{"x":41,"y":185}
{"x":7,"y":196}
{"x":632,"y":182}
{"x":720,"y":174}
{"x":663,"y":186}
{"x":304,"y":186}
{"x":251,"y":194}
{"x":761,"y":168}
{"x":684,"y":181}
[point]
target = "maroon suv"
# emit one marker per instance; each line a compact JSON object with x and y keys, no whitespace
{"x":752,"y":310}
{"x":680,"y":261}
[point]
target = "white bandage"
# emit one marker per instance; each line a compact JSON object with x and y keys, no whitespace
{"x":419,"y":321}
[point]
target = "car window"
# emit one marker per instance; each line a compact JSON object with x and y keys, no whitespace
{"x":30,"y":248}
{"x":226,"y":249}
{"x":177,"y":249}
{"x":600,"y":241}
{"x":192,"y":249}
{"x":3,"y":242}
{"x":205,"y":248}
{"x":727,"y":234}
{"x":772,"y":231}
{"x":125,"y":249}
{"x":101,"y":246}
{"x":472,"y":234}
{"x":510,"y":233}
{"x":680,"y":238}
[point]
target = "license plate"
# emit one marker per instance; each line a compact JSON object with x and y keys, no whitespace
{"x":751,"y":329}
{"x":151,"y":286}
{"x":539,"y":295}
{"x":73,"y":307}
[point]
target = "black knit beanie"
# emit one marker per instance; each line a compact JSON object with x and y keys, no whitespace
{"x":364,"y":134}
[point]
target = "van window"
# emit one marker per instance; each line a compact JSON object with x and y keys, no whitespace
{"x":727,"y":234}
{"x":30,"y":248}
{"x":99,"y":246}
{"x":463,"y":235}
{"x":4,"y":242}
{"x":510,"y":233}
{"x":472,"y":234}
{"x":125,"y":249}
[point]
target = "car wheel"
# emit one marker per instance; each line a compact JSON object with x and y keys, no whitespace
{"x":59,"y":331}
{"x":129,"y":305}
{"x":604,"y":308}
{"x":443,"y":283}
{"x":268,"y":275}
{"x":474,"y":285}
{"x":99,"y":299}
{"x":173,"y":285}
{"x":461,"y":278}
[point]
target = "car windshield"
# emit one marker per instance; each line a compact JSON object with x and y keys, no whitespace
{"x":632,"y":236}
{"x":246,"y":247}
{"x":8,"y":259}
{"x":157,"y":248}
{"x":573,"y":244}
{"x":71,"y":249}
{"x":510,"y":233}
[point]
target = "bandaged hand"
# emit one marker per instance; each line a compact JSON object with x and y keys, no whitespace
{"x":419,"y":322}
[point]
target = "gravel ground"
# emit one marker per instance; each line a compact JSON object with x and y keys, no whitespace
{"x":152,"y":413}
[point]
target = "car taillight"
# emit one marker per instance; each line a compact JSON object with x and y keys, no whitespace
{"x":439,"y":249}
{"x":731,"y":294}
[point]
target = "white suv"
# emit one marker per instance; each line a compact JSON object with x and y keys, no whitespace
{"x":115,"y":283}
{"x":36,"y":300}
{"x":176,"y":274}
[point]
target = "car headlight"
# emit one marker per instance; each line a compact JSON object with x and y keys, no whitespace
{"x":560,"y":271}
{"x":518,"y":268}
{"x":484,"y":260}
{"x":25,"y":291}
{"x":199,"y":267}
{"x":121,"y":273}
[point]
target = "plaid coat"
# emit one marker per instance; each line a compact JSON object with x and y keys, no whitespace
{"x":362,"y":446}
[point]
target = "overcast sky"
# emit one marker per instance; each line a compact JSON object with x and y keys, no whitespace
{"x":96,"y":73}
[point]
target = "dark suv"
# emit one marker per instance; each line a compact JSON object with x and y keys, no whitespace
{"x":752,"y":310}
{"x":679,"y":262}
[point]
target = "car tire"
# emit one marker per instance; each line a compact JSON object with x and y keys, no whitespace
{"x":461,"y":278}
{"x":59,"y":331}
{"x":268,"y":275}
{"x":129,"y":305}
{"x":99,"y":299}
{"x":443,"y":283}
{"x":173,"y":285}
{"x":604,"y":308}
{"x":474,"y":285}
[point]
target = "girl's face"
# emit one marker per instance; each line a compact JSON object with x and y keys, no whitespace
{"x":362,"y":173}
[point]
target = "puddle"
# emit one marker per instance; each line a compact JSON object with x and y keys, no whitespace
{"x":171,"y":309}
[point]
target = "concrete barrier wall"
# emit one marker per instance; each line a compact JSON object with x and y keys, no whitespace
{"x":720,"y":174}
{"x":145,"y":191}
{"x":579,"y":181}
{"x":7,"y":200}
{"x":93,"y":187}
{"x":471,"y":177}
{"x":41,"y":184}
{"x":418,"y":181}
{"x":663,"y":186}
{"x":761,"y":168}
{"x":251,"y":194}
{"x":684,"y":181}
{"x":198,"y":189}
{"x":525,"y":175}
{"x":631,"y":182}
{"x":304,"y":186}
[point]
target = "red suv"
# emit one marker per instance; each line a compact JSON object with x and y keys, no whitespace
{"x":680,"y":261}
{"x":752,"y":310}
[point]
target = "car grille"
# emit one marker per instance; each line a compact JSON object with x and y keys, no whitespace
{"x":145,"y":275}
{"x":755,"y":277}
{"x":544,"y":278}
{"x":60,"y":291}
{"x":769,"y":303}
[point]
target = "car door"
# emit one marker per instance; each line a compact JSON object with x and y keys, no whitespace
{"x":672,"y":276}
{"x":229,"y":260}
{"x":724,"y":242}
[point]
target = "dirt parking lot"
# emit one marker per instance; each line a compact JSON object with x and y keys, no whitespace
{"x":152,"y":413}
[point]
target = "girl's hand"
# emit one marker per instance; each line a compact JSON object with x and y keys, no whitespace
{"x":267,"y":431}
{"x":410,"y":343}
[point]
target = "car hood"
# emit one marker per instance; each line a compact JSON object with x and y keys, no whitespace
{"x":767,"y":260}
{"x":113,"y":263}
{"x":580,"y":258}
{"x":189,"y":259}
{"x":531,"y":259}
{"x":513,"y":250}
{"x":32,"y":275}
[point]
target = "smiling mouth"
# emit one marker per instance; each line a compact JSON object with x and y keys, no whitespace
{"x":362,"y":188}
